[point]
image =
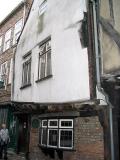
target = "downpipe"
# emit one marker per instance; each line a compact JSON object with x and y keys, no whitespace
{"x":100,"y":89}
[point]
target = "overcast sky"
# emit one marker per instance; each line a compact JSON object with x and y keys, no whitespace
{"x":6,"y":6}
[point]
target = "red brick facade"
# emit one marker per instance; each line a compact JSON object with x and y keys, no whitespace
{"x":5,"y":25}
{"x":88,"y":142}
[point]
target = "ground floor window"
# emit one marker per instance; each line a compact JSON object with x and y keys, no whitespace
{"x":56,"y":133}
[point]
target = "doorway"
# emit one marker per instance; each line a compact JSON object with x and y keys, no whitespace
{"x":23,"y":133}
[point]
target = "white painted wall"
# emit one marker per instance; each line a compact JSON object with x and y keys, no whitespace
{"x":70,"y":81}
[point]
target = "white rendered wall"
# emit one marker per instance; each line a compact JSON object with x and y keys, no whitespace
{"x":70,"y":81}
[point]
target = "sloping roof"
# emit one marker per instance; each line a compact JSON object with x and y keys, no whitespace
{"x":12,"y":12}
{"x":25,"y":21}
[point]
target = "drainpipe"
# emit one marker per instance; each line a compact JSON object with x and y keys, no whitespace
{"x":100,"y":89}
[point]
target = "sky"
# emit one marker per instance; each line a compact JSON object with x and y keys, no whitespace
{"x":6,"y":6}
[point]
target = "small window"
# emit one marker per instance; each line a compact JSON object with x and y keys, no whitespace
{"x":56,"y":134}
{"x":44,"y":68}
{"x":26,"y":73}
{"x":17,"y":30}
{"x":42,"y":7}
{"x":4,"y":72}
{"x":66,"y":123}
{"x":53,"y":123}
{"x":1,"y":44}
{"x":7,"y":41}
{"x":10,"y":71}
{"x":44,"y":123}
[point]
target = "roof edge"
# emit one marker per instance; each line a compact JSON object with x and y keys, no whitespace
{"x":12,"y":12}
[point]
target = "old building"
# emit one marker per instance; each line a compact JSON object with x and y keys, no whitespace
{"x":109,"y":54}
{"x":55,"y":92}
{"x":10,"y":29}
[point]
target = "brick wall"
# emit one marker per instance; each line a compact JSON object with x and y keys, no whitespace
{"x":5,"y":95}
{"x":88,"y":142}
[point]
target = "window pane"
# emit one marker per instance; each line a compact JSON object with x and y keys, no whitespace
{"x":48,"y":45}
{"x":18,"y":26}
{"x":44,"y":123}
{"x":42,"y":61}
{"x":66,"y":138}
{"x":53,"y":137}
{"x":42,"y":49}
{"x":48,"y":63}
{"x":7,"y":45}
{"x":53,"y":123}
{"x":7,"y":39}
{"x":0,"y":43}
{"x":26,"y":76}
{"x":44,"y":136}
{"x":66,"y":123}
{"x":8,"y":35}
{"x":42,"y":8}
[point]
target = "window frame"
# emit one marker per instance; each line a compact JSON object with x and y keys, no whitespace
{"x":46,"y":75}
{"x":1,"y":44}
{"x":52,"y":121}
{"x":43,"y":125}
{"x":65,"y":129}
{"x":4,"y":76}
{"x":49,"y":129}
{"x":27,"y":60}
{"x":17,"y":33}
{"x":58,"y":129}
{"x":65,"y":121}
{"x":42,"y":7}
{"x":8,"y":40}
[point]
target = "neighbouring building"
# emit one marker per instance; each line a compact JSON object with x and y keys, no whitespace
{"x":109,"y":49}
{"x":10,"y":30}
{"x":54,"y":89}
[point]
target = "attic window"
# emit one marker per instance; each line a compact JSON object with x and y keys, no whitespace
{"x":42,"y":7}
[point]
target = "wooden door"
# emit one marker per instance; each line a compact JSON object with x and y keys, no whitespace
{"x":23,"y":134}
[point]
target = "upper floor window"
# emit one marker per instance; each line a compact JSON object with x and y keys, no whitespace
{"x":1,"y":44}
{"x":10,"y":71}
{"x":17,"y":30}
{"x":57,"y":133}
{"x":44,"y":68}
{"x":42,"y":7}
{"x":4,"y":72}
{"x":26,"y":72}
{"x":7,"y":39}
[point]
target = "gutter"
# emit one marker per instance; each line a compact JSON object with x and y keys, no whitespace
{"x":99,"y":87}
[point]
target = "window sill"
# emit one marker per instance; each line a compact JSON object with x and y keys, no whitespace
{"x":42,"y":79}
{"x":25,"y":86}
{"x":55,"y":148}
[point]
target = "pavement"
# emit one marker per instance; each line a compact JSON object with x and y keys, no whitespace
{"x":15,"y":157}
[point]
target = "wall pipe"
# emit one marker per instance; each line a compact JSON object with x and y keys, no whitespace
{"x":100,"y":89}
